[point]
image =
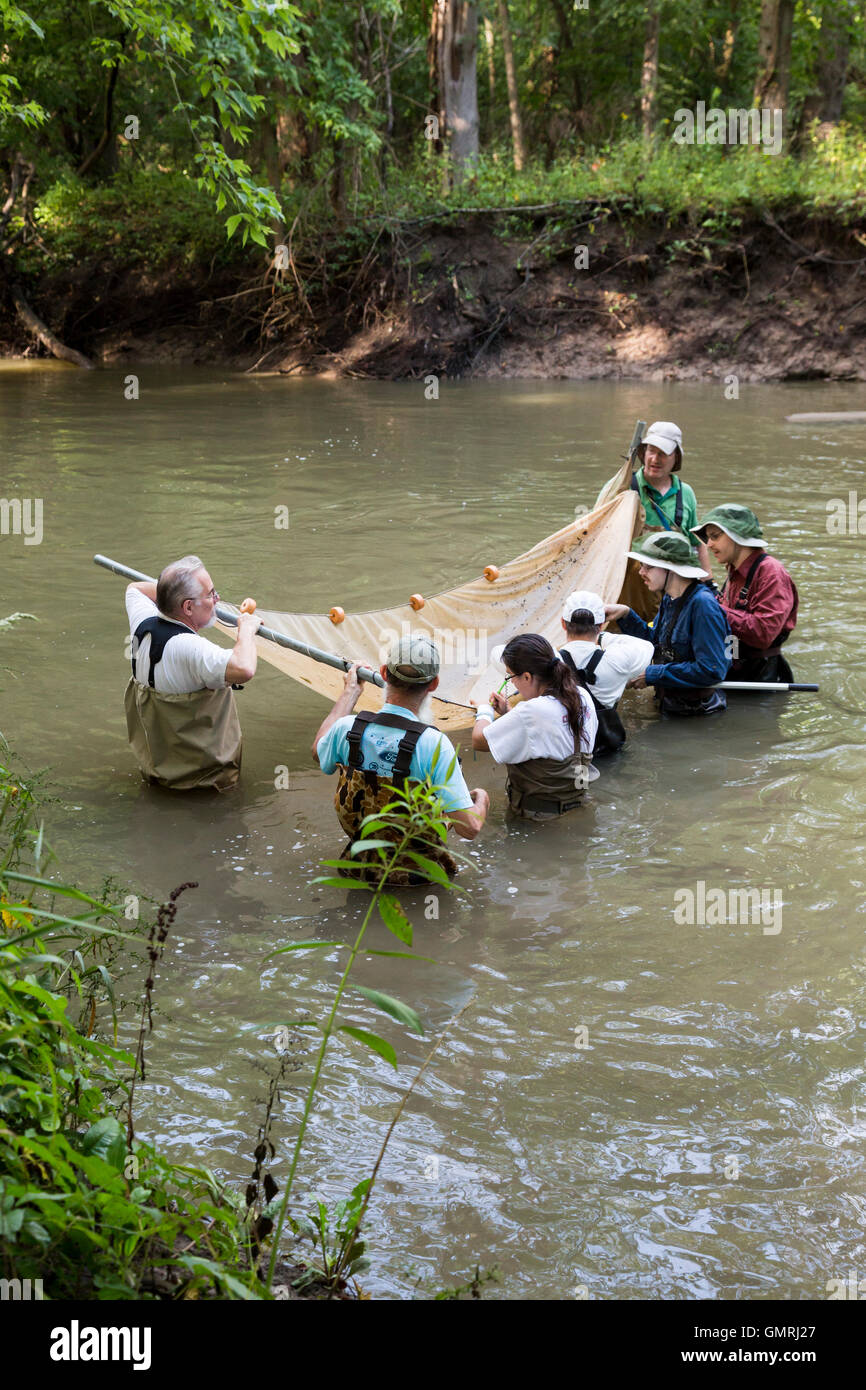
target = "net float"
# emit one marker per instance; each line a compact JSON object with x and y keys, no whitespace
{"x":416,"y":601}
{"x":491,"y":572}
{"x":336,"y":615}
{"x":248,"y":605}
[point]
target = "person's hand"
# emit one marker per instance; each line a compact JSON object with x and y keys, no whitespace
{"x":248,"y":623}
{"x":351,"y":684}
{"x":499,"y":702}
{"x":615,"y":610}
{"x":639,"y":683}
{"x":480,"y":800}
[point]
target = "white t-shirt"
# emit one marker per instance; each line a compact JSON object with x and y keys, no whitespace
{"x":539,"y":728}
{"x":624,"y":659}
{"x":189,"y":662}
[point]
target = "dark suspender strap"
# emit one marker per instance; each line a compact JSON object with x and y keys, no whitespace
{"x":678,"y":510}
{"x":633,"y":484}
{"x":413,"y":729}
{"x":678,"y":506}
{"x":404,"y":756}
{"x":569,"y":661}
{"x":742,"y":601}
{"x":161,"y":631}
{"x":589,"y":668}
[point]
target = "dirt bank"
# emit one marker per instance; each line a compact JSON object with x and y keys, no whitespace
{"x":495,"y":294}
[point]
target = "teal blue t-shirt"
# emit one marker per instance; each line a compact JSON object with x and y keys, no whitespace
{"x":433,"y":755}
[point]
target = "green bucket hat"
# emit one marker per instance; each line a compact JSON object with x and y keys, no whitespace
{"x":669,"y":551}
{"x":740,"y":523}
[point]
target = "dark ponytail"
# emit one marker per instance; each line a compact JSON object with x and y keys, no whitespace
{"x":534,"y":654}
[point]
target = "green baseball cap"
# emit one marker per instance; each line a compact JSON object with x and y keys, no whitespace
{"x":413,"y":659}
{"x":740,"y":523}
{"x":669,"y":551}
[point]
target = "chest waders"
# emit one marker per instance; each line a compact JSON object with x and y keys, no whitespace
{"x":610,"y":736}
{"x":363,"y":793}
{"x":634,"y":592}
{"x":544,"y":788}
{"x":757,"y":663}
{"x":703,"y":700}
{"x":184,"y":742}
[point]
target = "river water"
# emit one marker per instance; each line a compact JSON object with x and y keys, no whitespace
{"x":630,"y":1107}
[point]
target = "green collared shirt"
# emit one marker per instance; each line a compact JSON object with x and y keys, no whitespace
{"x":667,"y":504}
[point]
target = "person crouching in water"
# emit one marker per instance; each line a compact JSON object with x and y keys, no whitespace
{"x":759,"y":600}
{"x":690,"y":633}
{"x":546,"y":740}
{"x":377,"y":752}
{"x":603,"y":663}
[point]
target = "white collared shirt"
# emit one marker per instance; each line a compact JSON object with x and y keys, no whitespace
{"x":189,"y":662}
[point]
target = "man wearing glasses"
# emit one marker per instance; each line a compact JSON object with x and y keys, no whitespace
{"x":180,"y":711}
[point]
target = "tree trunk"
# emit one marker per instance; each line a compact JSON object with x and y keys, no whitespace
{"x":41,"y":331}
{"x":723,"y":66}
{"x":491,"y":79}
{"x":511,"y":79}
{"x":453,"y":48}
{"x":774,"y":55}
{"x":649,"y":77}
{"x":566,"y":44}
{"x":832,"y":69}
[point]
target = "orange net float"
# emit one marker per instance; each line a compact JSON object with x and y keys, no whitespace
{"x":248,"y":605}
{"x":416,"y":601}
{"x":491,"y":572}
{"x":336,"y":615}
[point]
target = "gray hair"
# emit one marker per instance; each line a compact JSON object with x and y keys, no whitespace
{"x":176,"y":583}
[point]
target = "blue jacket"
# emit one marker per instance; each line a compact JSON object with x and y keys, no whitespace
{"x":695,"y":635}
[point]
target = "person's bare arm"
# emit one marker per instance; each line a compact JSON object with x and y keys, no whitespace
{"x":343,"y":706}
{"x":244,"y":658}
{"x":479,"y":737}
{"x":146,"y":587}
{"x":468,"y":823}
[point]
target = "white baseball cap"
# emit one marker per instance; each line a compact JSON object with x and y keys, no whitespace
{"x":584,"y":598}
{"x":664,"y":435}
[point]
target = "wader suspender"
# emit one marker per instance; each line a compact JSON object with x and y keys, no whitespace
{"x":161,"y":631}
{"x":414,"y":729}
{"x":586,"y":675}
{"x":678,"y":508}
{"x":677,"y":606}
{"x":743,"y":601}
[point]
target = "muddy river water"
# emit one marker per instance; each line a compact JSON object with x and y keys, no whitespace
{"x":631,"y":1106}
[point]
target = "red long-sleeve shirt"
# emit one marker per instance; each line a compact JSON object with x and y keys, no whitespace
{"x":772,"y":603}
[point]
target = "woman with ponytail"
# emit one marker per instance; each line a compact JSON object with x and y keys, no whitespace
{"x":546,"y":741}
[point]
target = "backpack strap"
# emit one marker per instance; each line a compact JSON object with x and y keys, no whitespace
{"x":161,"y":631}
{"x":413,"y":729}
{"x":585,"y":675}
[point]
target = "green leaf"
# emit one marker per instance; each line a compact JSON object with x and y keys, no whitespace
{"x":361,"y":845}
{"x":395,"y":918}
{"x":106,"y":1139}
{"x":372,"y":1040}
{"x":233,"y":222}
{"x":389,"y":1005}
{"x":431,"y":869}
{"x":303,"y":946}
{"x":406,"y":955}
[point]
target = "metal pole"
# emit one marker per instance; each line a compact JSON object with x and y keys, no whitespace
{"x":764,"y":685}
{"x":225,"y":615}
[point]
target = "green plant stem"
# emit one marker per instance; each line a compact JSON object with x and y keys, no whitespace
{"x":338,"y":1268}
{"x":308,"y":1105}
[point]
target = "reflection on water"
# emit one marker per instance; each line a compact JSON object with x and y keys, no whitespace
{"x":631,"y":1106}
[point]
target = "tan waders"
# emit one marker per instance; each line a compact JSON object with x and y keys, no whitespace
{"x":185,"y":741}
{"x":543,"y":788}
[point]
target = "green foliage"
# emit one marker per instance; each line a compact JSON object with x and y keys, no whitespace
{"x":143,"y":217}
{"x":415,"y":814}
{"x":89,"y":1212}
